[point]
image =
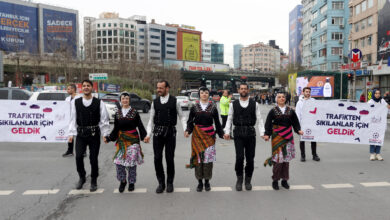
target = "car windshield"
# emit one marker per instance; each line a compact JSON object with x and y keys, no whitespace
{"x":194,"y":95}
{"x":181,"y":97}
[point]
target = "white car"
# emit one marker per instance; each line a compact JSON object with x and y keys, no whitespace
{"x":184,"y":102}
{"x":111,"y":107}
{"x":49,"y":95}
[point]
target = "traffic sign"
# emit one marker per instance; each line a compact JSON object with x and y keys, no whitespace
{"x":355,"y":55}
{"x":98,"y":76}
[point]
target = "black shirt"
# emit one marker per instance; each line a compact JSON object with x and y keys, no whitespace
{"x":131,"y":121}
{"x":276,"y":117}
{"x":207,"y":117}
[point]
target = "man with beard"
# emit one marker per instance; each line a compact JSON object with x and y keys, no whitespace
{"x":89,"y":119}
{"x":163,"y":119}
{"x":244,"y":113}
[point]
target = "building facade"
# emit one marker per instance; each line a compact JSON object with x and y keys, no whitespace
{"x":110,"y":38}
{"x":330,"y":34}
{"x":260,"y":57}
{"x":306,"y":55}
{"x":237,"y":55}
{"x":206,"y":51}
{"x":217,"y":52}
{"x":295,"y":35}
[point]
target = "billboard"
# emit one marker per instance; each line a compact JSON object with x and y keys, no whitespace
{"x":383,"y":30}
{"x":173,"y":64}
{"x":321,"y":86}
{"x":18,"y":28}
{"x":59,"y":32}
{"x":191,"y":47}
{"x":292,"y":82}
{"x":196,"y":66}
{"x":295,"y":35}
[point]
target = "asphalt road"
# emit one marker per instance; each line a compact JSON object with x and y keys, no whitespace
{"x":343,"y":185}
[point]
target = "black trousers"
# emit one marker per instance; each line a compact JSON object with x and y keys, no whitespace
{"x":81,"y":146}
{"x":70,"y":147}
{"x":169,"y":142}
{"x":245,"y":147}
{"x":313,"y":148}
{"x":224,"y":119}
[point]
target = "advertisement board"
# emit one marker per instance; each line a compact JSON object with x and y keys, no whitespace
{"x":321,"y":86}
{"x":295,"y":35}
{"x":173,"y":64}
{"x":18,"y":28}
{"x":383,"y":29}
{"x":191,"y":47}
{"x":59,"y":32}
{"x":196,"y":66}
{"x":292,"y":82}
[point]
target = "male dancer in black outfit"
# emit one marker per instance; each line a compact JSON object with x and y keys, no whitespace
{"x":89,"y":119}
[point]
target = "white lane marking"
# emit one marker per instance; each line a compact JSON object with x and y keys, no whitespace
{"x":182,"y":189}
{"x":261,"y":188}
{"x":337,"y":186}
{"x":6,"y":192}
{"x":221,"y":189}
{"x":41,"y":192}
{"x":141,"y":190}
{"x":301,"y":187}
{"x":375,"y":184}
{"x":85,"y":191}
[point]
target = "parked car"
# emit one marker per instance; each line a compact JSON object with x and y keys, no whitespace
{"x":52,"y":95}
{"x":236,"y":96}
{"x":135,"y":101}
{"x":112,"y":108}
{"x":14,"y":93}
{"x":184,"y":101}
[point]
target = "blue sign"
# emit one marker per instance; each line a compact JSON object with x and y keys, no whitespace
{"x":18,"y":28}
{"x":109,"y":87}
{"x":355,"y":55}
{"x":59,"y":32}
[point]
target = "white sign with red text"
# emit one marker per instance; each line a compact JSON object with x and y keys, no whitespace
{"x":343,"y":122}
{"x":34,"y":121}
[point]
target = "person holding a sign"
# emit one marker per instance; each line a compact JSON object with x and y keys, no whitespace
{"x":163,"y":120}
{"x":281,"y":121}
{"x":89,"y":118}
{"x":306,"y":97}
{"x":71,"y":90}
{"x":128,"y":149}
{"x":200,"y":123}
{"x":244,"y":113}
{"x":377,"y":99}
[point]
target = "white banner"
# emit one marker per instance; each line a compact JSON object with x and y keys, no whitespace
{"x":34,"y":121}
{"x":344,"y":122}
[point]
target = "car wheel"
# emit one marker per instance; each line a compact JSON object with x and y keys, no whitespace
{"x":146,"y":108}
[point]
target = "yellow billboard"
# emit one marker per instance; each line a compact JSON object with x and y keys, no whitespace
{"x":191,"y":47}
{"x":292,"y":82}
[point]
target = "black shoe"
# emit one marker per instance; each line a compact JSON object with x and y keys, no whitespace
{"x":122,"y":186}
{"x":131,"y":187}
{"x":80,"y":183}
{"x":316,"y":158}
{"x":248,"y":185}
{"x":303,"y":159}
{"x":207,"y":186}
{"x":160,"y":188}
{"x":200,"y":186}
{"x":239,"y":183}
{"x":169,"y":187}
{"x":285,"y":184}
{"x":275,"y":185}
{"x":93,"y":187}
{"x":67,"y":154}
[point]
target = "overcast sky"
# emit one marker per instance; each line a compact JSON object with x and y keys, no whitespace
{"x":225,"y":21}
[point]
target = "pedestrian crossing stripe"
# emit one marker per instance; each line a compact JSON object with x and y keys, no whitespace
{"x":41,"y":192}
{"x":6,"y":192}
{"x":337,"y":186}
{"x":141,"y":190}
{"x":375,"y":184}
{"x":82,"y":192}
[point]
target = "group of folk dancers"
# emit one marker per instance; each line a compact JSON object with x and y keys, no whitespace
{"x":90,"y":121}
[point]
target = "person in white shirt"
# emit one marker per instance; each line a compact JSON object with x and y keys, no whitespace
{"x":71,"y":90}
{"x":375,"y":150}
{"x":89,"y":119}
{"x":163,"y":120}
{"x":306,"y":96}
{"x":244,"y":113}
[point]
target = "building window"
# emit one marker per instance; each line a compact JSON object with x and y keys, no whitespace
{"x":115,"y":40}
{"x":154,"y":30}
{"x":109,"y":33}
{"x":121,"y":25}
{"x":369,"y":40}
{"x":99,"y":33}
{"x":335,"y":65}
{"x":171,"y":39}
{"x":142,"y":44}
{"x":337,"y":51}
{"x":141,"y":51}
{"x":357,"y":9}
{"x":323,"y":9}
{"x":322,"y":53}
{"x":171,"y":52}
{"x":369,"y":21}
{"x":141,"y":30}
{"x":132,"y":26}
{"x":356,"y":27}
{"x":110,"y":40}
{"x":323,"y":23}
{"x":127,"y":41}
{"x":337,"y":36}
{"x":154,"y":44}
{"x":171,"y":32}
{"x":132,"y":34}
{"x":155,"y":51}
{"x":126,"y":33}
{"x":121,"y":33}
{"x":369,"y":58}
{"x":154,"y":37}
{"x":127,"y":25}
{"x":104,"y":33}
{"x":362,"y":42}
{"x":104,"y":24}
{"x":322,"y":39}
{"x":323,"y":67}
{"x":114,"y":24}
{"x":337,"y":20}
{"x":98,"y":25}
{"x":338,"y":5}
{"x":155,"y":58}
{"x":115,"y":33}
{"x":141,"y":37}
{"x":364,"y":6}
{"x":109,"y":24}
{"x":363,"y":24}
{"x":370,"y":3}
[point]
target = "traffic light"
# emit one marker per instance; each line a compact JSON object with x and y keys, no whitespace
{"x":350,"y":76}
{"x":203,"y":81}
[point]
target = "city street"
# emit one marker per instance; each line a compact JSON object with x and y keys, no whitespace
{"x":37,"y":183}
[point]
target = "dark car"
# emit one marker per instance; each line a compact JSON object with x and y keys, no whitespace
{"x":135,"y":101}
{"x":14,"y":93}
